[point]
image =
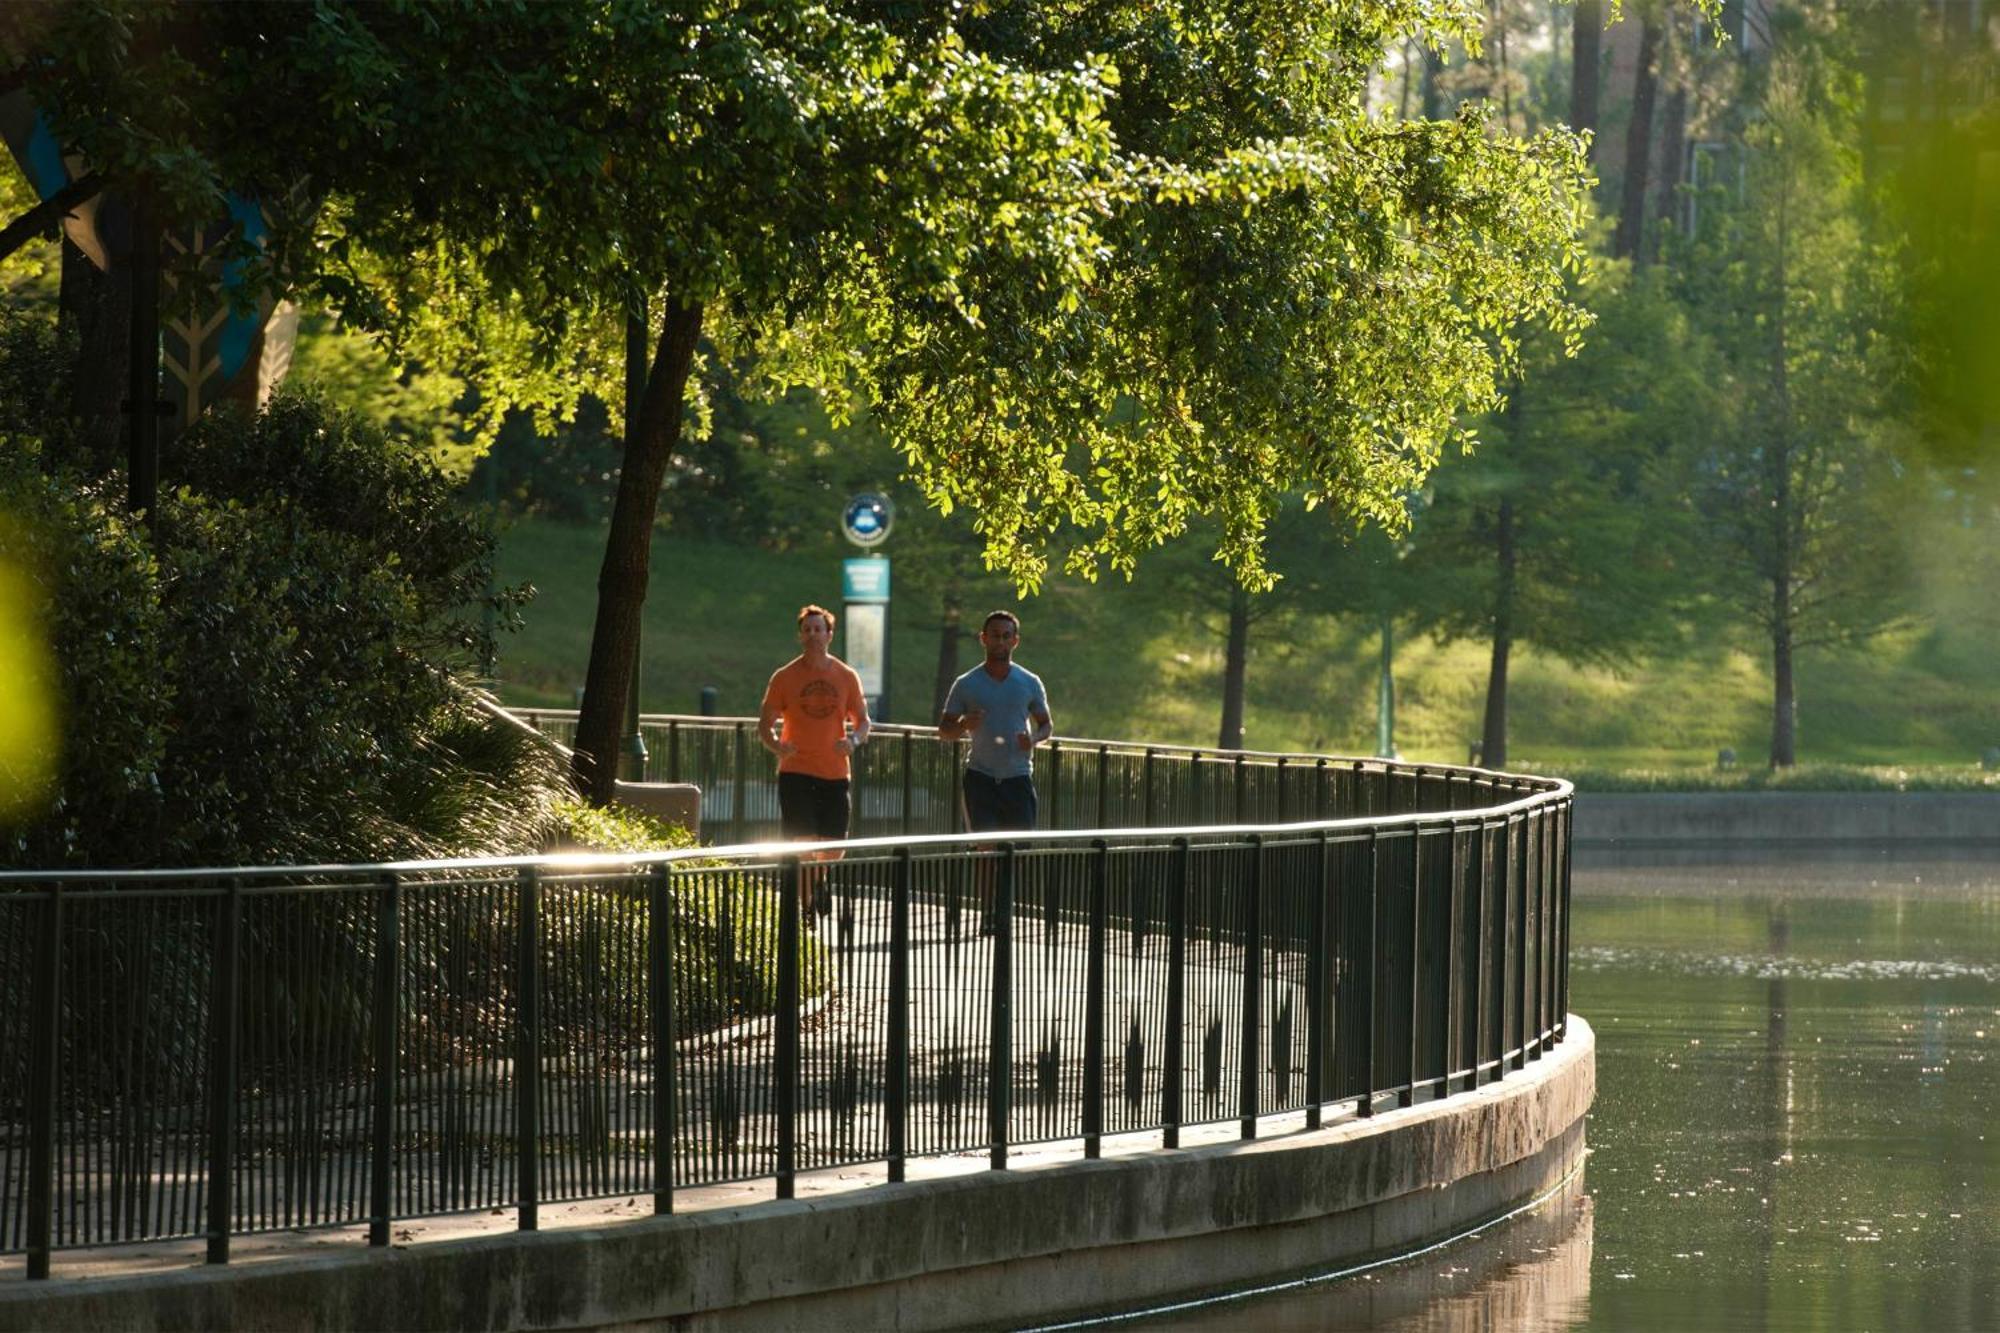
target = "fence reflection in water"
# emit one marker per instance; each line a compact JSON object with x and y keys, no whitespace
{"x":424,"y":1039}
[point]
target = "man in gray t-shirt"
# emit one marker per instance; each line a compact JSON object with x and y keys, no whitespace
{"x":1004,"y":710}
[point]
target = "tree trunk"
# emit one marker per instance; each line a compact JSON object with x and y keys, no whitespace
{"x":1235,"y":664}
{"x":97,"y":306}
{"x":1433,"y":99}
{"x":1585,"y":56}
{"x":1639,"y":144}
{"x":1784,"y":698}
{"x":947,"y":660}
{"x":1493,"y":736}
{"x":1673,"y":157}
{"x":621,"y":583}
{"x":1784,"y":550}
{"x":1673,"y":152}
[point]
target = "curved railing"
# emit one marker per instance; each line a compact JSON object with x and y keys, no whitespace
{"x":205,"y":1053}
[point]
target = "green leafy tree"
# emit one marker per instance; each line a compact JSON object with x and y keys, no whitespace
{"x":1567,"y":526}
{"x":1096,"y":272}
{"x":1803,"y":494}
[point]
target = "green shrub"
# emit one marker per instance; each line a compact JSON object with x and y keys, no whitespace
{"x":266,"y":674}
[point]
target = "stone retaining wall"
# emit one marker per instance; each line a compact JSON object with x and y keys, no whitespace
{"x":1655,"y":819}
{"x":989,"y":1250}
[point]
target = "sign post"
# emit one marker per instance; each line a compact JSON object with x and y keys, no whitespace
{"x":864,"y":591}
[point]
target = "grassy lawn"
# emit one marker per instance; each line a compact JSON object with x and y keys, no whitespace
{"x":1130,"y":661}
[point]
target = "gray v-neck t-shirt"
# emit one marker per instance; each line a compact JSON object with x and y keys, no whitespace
{"x":1007,"y":702}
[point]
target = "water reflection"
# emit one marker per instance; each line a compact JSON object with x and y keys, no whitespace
{"x":1798,"y":1114}
{"x":1530,"y":1274}
{"x":1795,"y":1090}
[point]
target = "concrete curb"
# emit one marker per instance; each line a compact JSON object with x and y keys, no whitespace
{"x":988,"y":1250}
{"x":1783,"y":818}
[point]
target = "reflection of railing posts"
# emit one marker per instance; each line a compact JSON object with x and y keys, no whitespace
{"x":897,"y":1094}
{"x":660,"y":1009}
{"x":786,"y":1076}
{"x":1177,"y":898}
{"x":1000,"y":1069}
{"x":528,"y":1052}
{"x":1252,"y":1068}
{"x":42,"y":1085}
{"x":1093,"y":999}
{"x":382,"y":1138}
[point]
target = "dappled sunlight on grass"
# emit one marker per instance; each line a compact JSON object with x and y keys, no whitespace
{"x":1139,"y":661}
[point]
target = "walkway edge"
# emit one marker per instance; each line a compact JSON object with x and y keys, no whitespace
{"x":992,"y":1250}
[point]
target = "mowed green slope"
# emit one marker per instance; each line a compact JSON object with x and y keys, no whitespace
{"x":1129,"y":661}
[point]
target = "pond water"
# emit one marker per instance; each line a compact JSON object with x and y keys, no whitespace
{"x":1798,"y":1074}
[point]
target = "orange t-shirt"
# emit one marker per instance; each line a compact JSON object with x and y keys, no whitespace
{"x":815,"y":707}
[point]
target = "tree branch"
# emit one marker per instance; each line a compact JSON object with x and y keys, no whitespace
{"x":52,"y":209}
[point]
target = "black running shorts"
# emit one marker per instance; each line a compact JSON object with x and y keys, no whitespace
{"x":813,"y":807}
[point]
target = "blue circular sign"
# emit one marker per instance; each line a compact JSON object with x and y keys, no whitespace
{"x":866,"y":519}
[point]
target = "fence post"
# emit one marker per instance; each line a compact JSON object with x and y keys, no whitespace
{"x":528,"y":1053}
{"x":1146,"y":777}
{"x":1476,"y":937}
{"x":1318,"y":987}
{"x":1564,"y":846}
{"x":1453,"y":1024}
{"x":1055,"y":784}
{"x":1000,"y":1063}
{"x":673,"y":751}
{"x":1103,"y":785}
{"x":388,"y":1001}
{"x":787,"y":1073}
{"x":898,"y":1092}
{"x":909,"y":784}
{"x":224,"y":1000}
{"x":1239,"y":785}
{"x":1281,"y":790}
{"x":1177,"y":899}
{"x":1408,"y":1095}
{"x":1251,"y":1072}
{"x":46,"y":1040}
{"x":1521,"y":977}
{"x":1370,"y":984}
{"x":1093,"y":1000}
{"x":738,"y":813}
{"x":660,"y":979}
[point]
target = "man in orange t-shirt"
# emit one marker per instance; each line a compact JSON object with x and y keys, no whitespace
{"x":808,"y":706}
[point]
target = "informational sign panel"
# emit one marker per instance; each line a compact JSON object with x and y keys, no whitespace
{"x":864,"y":590}
{"x":865,"y":580}
{"x":867,"y":626}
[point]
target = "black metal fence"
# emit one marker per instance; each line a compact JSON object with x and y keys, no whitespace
{"x":906,"y":780}
{"x":213,"y":1053}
